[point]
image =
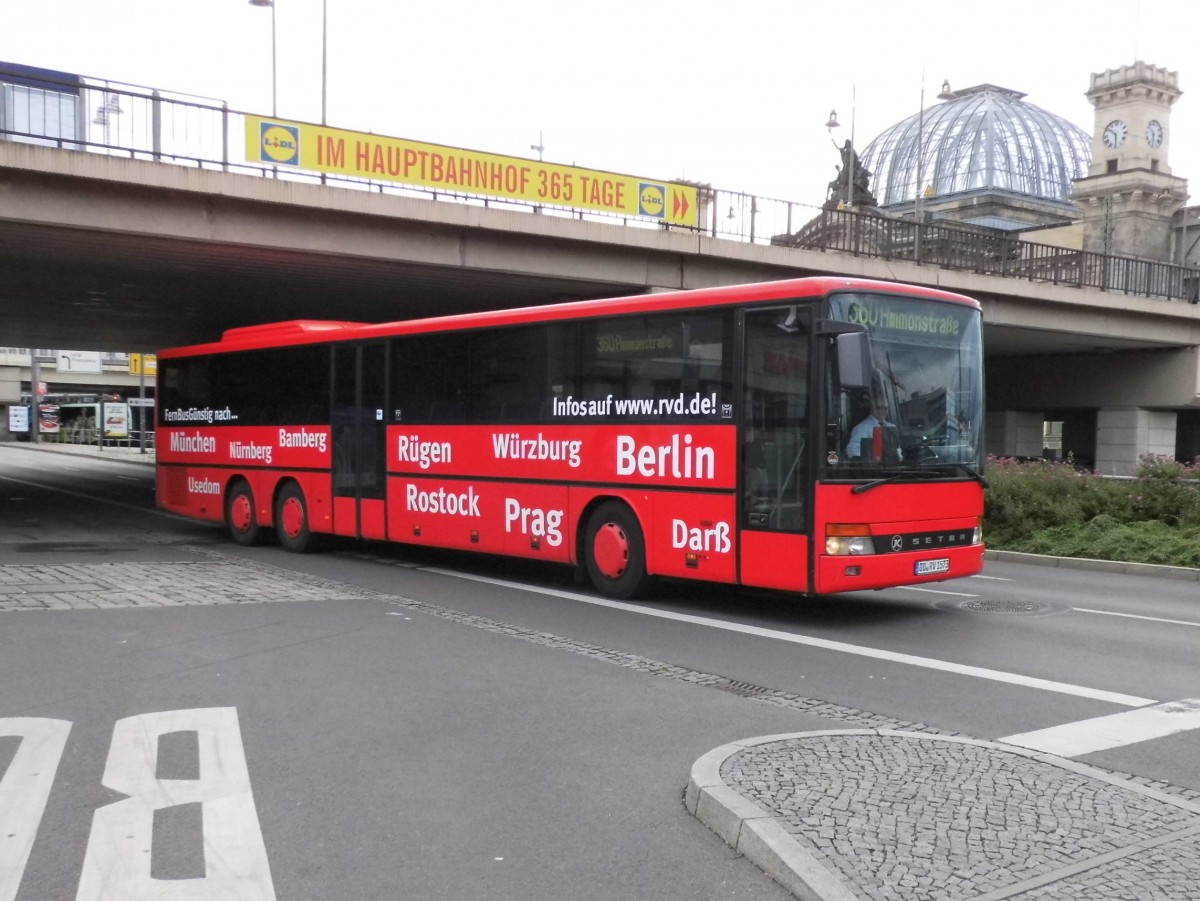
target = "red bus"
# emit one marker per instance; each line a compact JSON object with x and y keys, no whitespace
{"x":718,"y":434}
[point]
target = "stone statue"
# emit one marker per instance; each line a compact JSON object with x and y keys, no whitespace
{"x":851,"y":167}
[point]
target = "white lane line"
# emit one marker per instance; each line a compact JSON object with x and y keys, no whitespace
{"x":1113,"y":731}
{"x":953,"y":594}
{"x":992,"y":578}
{"x":1152,"y":619}
{"x":946,"y":666}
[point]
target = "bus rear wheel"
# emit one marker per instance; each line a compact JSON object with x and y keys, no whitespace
{"x":240,"y":515}
{"x":615,"y":552}
{"x":291,"y":519}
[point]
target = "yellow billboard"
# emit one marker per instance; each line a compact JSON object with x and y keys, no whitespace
{"x":337,"y":152}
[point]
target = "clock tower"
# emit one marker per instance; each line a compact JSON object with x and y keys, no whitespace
{"x":1129,"y":195}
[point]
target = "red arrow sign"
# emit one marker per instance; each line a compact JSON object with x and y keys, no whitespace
{"x":679,"y":205}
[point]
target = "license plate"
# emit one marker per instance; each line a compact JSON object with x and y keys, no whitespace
{"x":926,"y":567}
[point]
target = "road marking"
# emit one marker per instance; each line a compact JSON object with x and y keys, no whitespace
{"x":992,"y":578}
{"x":118,"y":859}
{"x":1153,"y":619}
{"x":24,"y":790}
{"x":954,"y":594}
{"x":1080,"y":691}
{"x":1113,"y":731}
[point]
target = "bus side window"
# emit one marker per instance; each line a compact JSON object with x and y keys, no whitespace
{"x":429,"y":378}
{"x":658,"y":357}
{"x":514,"y":371}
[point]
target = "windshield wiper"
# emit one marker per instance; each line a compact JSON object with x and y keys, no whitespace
{"x":895,"y":477}
{"x":927,"y":473}
{"x":965,"y":470}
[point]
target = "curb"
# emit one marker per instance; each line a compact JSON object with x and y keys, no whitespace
{"x":1185,"y":573}
{"x":755,"y":833}
{"x":758,"y":834}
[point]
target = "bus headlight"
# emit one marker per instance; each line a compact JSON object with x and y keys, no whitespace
{"x":848,"y":539}
{"x":977,"y":538}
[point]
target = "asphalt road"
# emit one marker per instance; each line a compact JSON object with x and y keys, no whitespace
{"x":380,"y":722}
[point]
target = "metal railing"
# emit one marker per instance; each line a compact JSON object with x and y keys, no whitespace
{"x":98,"y":116}
{"x":950,"y":246}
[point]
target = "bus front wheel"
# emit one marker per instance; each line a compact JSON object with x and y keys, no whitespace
{"x":240,"y":516}
{"x":615,"y":552}
{"x":291,"y":519}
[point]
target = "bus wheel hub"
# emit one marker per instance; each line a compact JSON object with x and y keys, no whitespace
{"x":240,"y":513}
{"x":611,"y":550}
{"x":293,"y":517}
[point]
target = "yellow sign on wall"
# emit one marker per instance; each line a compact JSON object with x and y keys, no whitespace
{"x":140,"y":362}
{"x":334,"y":151}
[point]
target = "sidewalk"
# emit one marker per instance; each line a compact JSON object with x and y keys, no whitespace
{"x":123,"y":454}
{"x":881,"y":815}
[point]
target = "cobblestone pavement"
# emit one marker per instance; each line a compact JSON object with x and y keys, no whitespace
{"x":212,"y":578}
{"x":886,"y":815}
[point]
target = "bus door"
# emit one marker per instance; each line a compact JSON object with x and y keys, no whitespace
{"x":359,"y":441}
{"x":776,"y":477}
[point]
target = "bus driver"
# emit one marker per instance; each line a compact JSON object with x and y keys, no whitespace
{"x":862,"y":436}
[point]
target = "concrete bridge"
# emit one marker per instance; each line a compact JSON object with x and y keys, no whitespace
{"x":110,"y":252}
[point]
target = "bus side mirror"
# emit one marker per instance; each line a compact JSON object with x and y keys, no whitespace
{"x":854,"y":359}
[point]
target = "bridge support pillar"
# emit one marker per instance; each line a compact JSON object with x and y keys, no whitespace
{"x":1123,"y":434}
{"x":10,"y":384}
{"x":1014,"y":433}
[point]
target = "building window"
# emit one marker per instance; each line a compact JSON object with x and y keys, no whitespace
{"x":1111,"y":167}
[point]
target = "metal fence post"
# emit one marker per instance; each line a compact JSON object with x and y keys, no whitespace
{"x":156,"y":124}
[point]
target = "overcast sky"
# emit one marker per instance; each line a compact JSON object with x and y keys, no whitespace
{"x":735,"y":94}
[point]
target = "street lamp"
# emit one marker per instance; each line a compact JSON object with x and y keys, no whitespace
{"x":324,"y":55}
{"x":105,"y":113}
{"x":920,"y":189}
{"x":848,"y":157}
{"x":274,"y":69}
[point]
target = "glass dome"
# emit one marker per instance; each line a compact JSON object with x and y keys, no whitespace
{"x":985,"y":140}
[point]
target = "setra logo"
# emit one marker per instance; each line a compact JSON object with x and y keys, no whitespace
{"x":279,"y":143}
{"x":652,"y":199}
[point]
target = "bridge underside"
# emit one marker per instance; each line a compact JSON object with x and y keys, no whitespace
{"x":87,"y":289}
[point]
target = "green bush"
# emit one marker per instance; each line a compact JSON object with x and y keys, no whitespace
{"x":1052,"y":508}
{"x":1159,"y":466}
{"x":1103,"y":538}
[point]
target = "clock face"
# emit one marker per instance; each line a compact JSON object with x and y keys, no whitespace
{"x":1154,"y":133}
{"x":1114,"y":133}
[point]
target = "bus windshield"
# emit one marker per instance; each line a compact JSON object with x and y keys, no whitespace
{"x":923,"y":413}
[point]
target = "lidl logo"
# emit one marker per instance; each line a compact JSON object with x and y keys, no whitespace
{"x":279,"y":143}
{"x":652,"y":199}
